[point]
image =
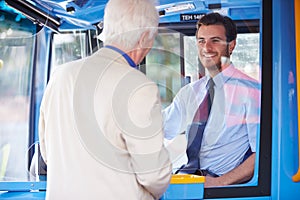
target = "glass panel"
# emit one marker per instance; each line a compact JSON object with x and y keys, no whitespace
{"x":16,"y":47}
{"x":173,"y":62}
{"x":191,"y":60}
{"x":68,"y":47}
{"x":245,"y":56}
{"x":163,"y":65}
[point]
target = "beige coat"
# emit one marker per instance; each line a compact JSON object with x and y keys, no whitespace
{"x":100,"y":132}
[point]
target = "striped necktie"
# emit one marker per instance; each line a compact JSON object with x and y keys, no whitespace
{"x":195,"y":132}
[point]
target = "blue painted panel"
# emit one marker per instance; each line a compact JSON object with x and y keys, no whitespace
{"x":184,"y":191}
{"x":247,"y":13}
{"x":22,"y":186}
{"x":39,"y":195}
{"x":285,"y":134}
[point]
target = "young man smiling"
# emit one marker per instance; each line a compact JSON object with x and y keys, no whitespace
{"x":227,"y":146}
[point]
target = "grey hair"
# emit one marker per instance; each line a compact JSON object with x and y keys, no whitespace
{"x":126,"y":21}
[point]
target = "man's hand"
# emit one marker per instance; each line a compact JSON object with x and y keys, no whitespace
{"x":238,"y":175}
{"x":212,"y":181}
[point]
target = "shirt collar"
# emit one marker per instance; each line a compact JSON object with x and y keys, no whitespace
{"x":221,"y":78}
{"x":127,"y":58}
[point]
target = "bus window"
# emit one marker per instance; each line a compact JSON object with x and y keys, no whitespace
{"x":68,"y":47}
{"x":173,"y":62}
{"x":191,"y":61}
{"x":164,"y":62}
{"x":16,"y":52}
{"x":163,"y":65}
{"x":246,"y":54}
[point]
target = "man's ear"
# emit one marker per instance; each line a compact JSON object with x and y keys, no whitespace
{"x":231,"y":46}
{"x":144,"y":40}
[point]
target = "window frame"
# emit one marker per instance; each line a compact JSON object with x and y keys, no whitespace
{"x":263,"y":166}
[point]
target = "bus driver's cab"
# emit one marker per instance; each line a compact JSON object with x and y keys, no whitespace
{"x":38,"y":35}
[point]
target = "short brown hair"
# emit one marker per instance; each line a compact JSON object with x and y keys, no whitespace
{"x":218,"y":19}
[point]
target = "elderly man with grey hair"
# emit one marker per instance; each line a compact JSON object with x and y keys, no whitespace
{"x":100,"y":122}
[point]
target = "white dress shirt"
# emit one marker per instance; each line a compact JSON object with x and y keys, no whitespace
{"x":233,"y":123}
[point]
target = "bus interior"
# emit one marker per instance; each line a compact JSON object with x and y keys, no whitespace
{"x":36,"y":36}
